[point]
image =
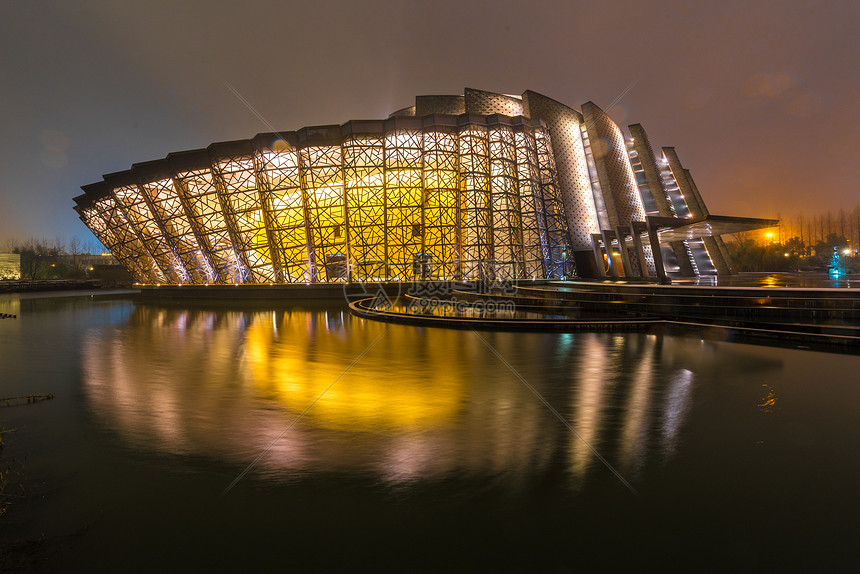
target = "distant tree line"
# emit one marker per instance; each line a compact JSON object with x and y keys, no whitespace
{"x":812,"y":229}
{"x":751,"y":252}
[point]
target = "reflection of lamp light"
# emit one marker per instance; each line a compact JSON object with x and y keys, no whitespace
{"x":847,"y":252}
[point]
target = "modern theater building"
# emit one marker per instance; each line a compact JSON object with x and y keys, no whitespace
{"x":468,"y":187}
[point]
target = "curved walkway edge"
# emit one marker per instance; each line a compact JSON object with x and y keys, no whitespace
{"x":800,"y":336}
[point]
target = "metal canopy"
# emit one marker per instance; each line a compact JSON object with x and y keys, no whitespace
{"x":672,"y":229}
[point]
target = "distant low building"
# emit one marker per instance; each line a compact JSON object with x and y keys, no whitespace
{"x":104,"y":266}
{"x":88,"y":261}
{"x":10,"y":266}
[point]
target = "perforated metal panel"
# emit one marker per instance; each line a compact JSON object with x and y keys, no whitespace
{"x":617,"y":181}
{"x":568,"y":154}
{"x":488,"y":103}
{"x":428,"y":105}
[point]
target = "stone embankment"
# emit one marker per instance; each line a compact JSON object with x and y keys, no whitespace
{"x":49,"y":285}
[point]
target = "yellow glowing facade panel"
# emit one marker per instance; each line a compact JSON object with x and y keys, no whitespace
{"x":443,"y":198}
{"x":241,"y":200}
{"x":167,"y":207}
{"x":403,"y":194}
{"x":322,"y":179}
{"x":139,"y":216}
{"x":441,"y":189}
{"x":203,"y":208}
{"x":111,"y":228}
{"x":475,"y":207}
{"x":364,"y":175}
{"x":284,"y":207}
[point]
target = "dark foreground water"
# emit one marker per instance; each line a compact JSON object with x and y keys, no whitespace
{"x":419,"y":449}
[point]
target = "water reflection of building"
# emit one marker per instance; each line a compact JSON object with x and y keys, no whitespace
{"x":627,"y":405}
{"x":421,"y":403}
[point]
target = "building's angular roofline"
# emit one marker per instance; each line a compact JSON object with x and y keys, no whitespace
{"x":329,"y":134}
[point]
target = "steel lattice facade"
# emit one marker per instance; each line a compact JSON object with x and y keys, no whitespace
{"x":479,"y":186}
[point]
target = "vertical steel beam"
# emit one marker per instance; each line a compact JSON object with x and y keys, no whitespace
{"x":655,"y":250}
{"x":636,"y":228}
{"x":598,"y":254}
{"x":607,"y":245}
{"x":621,"y":234}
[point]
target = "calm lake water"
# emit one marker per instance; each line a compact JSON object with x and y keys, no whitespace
{"x":418,"y":449}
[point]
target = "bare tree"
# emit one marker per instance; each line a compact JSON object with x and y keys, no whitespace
{"x":74,"y":251}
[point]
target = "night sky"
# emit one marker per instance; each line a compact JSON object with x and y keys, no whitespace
{"x":759,"y":98}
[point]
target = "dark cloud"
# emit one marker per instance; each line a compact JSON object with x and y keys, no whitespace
{"x":759,"y":98}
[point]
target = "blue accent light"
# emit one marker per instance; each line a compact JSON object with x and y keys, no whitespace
{"x":836,"y":270}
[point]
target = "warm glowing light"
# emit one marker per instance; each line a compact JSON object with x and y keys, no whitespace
{"x":406,"y":204}
{"x":768,"y":234}
{"x":364,"y":399}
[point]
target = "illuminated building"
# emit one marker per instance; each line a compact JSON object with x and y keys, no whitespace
{"x":479,"y":186}
{"x":10,"y":266}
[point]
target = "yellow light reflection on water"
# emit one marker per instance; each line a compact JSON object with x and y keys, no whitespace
{"x":419,"y":403}
{"x":768,"y":401}
{"x":772,"y":281}
{"x":372,"y":395}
